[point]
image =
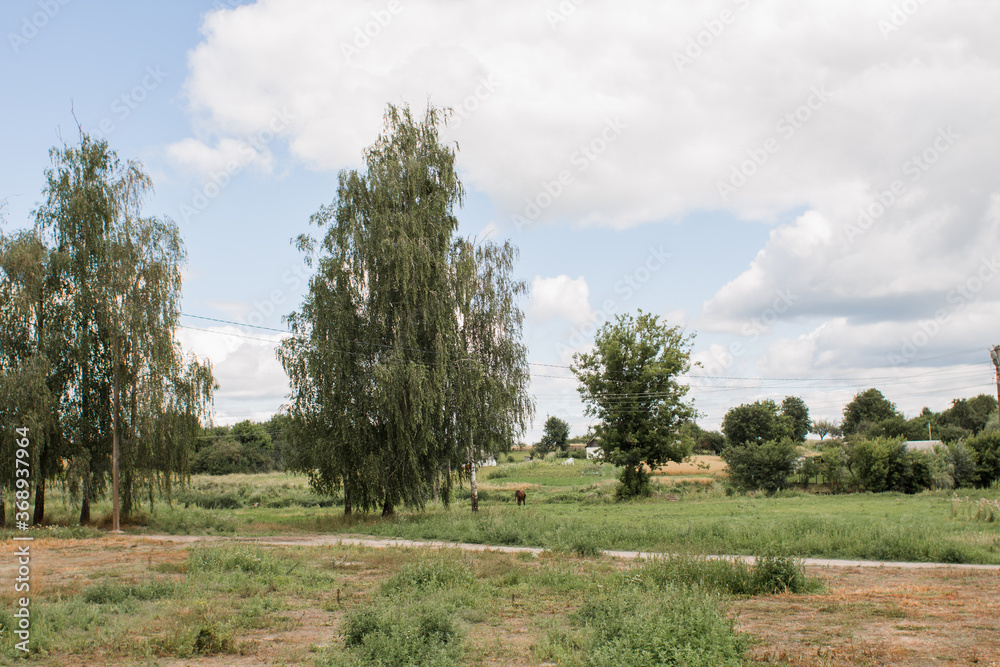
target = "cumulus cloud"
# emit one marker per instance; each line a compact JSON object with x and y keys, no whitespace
{"x":560,"y":297}
{"x":576,"y":106}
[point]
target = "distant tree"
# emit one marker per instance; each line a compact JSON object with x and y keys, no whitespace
{"x":823,"y":428}
{"x":866,"y":409}
{"x":761,"y":465}
{"x":755,"y":423}
{"x":970,"y":414}
{"x":885,"y":464}
{"x":794,"y":409}
{"x":555,"y":436}
{"x":986,"y":445}
{"x":631,"y":383}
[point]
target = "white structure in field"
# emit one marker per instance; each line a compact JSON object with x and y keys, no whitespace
{"x":593,"y":449}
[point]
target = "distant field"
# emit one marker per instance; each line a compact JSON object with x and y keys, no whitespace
{"x":572,"y":507}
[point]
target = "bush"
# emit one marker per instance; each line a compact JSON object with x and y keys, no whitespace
{"x":767,"y":575}
{"x":761,"y":466}
{"x":231,"y":558}
{"x":682,"y":627}
{"x":632,"y":483}
{"x":986,"y":445}
{"x":386,"y":634}
{"x":885,"y":464}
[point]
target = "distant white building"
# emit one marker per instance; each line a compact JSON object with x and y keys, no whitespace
{"x":923,"y":445}
{"x":486,"y":463}
{"x":593,"y":449}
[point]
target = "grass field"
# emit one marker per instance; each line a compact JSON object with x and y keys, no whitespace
{"x":103,"y":599}
{"x":572,"y":508}
{"x":122,"y":600}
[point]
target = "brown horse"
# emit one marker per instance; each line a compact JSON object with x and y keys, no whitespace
{"x":521,"y":497}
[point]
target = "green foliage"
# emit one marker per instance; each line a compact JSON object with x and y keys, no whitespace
{"x":885,"y":464}
{"x":420,"y":635}
{"x":428,"y":575}
{"x":555,"y":436}
{"x":986,"y":446}
{"x":796,"y":414}
{"x":811,"y":467}
{"x":677,"y":626}
{"x":232,"y":558}
{"x":112,"y":592}
{"x":632,"y":483}
{"x":962,"y":464}
{"x":407,"y":335}
{"x":630,"y":382}
{"x":765,"y":465}
{"x":766,"y":575}
{"x":100,"y":302}
{"x":245,"y":447}
{"x":833,"y":466}
{"x":867,"y":409}
{"x":970,"y":414}
{"x":755,"y":423}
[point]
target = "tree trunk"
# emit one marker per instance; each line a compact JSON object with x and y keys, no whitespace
{"x":115,"y":508}
{"x":437,"y":486}
{"x":472,"y":481}
{"x":388,"y":509}
{"x":347,"y":501}
{"x":3,"y":508}
{"x":39,"y":502}
{"x":85,"y":504}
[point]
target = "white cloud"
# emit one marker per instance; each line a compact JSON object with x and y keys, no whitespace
{"x":535,"y":100}
{"x":561,"y":296}
{"x":252,"y":383}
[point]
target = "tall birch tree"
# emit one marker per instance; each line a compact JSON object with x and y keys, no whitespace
{"x":397,"y":343}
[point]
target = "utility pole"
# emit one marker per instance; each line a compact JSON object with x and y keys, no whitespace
{"x":995,"y":353}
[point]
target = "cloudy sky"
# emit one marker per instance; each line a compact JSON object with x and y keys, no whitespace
{"x":811,"y":188}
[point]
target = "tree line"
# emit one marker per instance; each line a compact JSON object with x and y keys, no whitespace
{"x":867,"y":450}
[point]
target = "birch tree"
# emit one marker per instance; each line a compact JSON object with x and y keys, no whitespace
{"x":123,"y":283}
{"x":394,"y":347}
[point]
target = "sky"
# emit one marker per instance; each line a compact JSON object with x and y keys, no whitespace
{"x":810,"y":189}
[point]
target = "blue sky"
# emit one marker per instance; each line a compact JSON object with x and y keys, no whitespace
{"x":810,"y":189}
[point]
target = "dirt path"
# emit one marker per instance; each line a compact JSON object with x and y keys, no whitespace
{"x":318,"y":540}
